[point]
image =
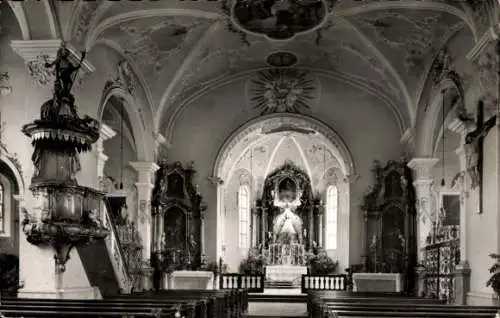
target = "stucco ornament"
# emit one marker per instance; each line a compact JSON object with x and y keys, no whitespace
{"x":5,"y":88}
{"x":280,"y":90}
{"x":41,"y":74}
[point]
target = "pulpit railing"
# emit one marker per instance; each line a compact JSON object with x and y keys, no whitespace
{"x":251,"y":283}
{"x":115,"y":249}
{"x":324,"y":282}
{"x":285,"y":254}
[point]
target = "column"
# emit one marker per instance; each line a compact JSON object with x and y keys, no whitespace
{"x":105,"y":133}
{"x":463,"y":270}
{"x":219,"y":240}
{"x":144,"y":185}
{"x":32,"y":259}
{"x":423,"y":181}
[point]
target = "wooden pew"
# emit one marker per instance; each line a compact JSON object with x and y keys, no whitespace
{"x":191,"y":304}
{"x":93,"y":308}
{"x":328,"y":304}
{"x":220,"y":303}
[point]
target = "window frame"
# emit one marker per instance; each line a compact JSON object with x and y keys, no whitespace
{"x":243,"y":196}
{"x":331,"y":217}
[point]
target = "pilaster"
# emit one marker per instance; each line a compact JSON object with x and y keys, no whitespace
{"x":38,"y":52}
{"x":462,"y":282}
{"x":219,"y":184}
{"x":105,"y":133}
{"x":423,"y":181}
{"x":146,"y":171}
{"x":5,"y":88}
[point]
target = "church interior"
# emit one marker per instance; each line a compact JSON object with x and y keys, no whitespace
{"x":220,"y":158}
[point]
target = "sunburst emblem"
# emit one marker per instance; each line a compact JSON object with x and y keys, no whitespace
{"x":282,"y":90}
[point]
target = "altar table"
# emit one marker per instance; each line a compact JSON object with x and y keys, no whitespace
{"x":378,"y":282}
{"x":285,"y":273}
{"x":189,"y":280}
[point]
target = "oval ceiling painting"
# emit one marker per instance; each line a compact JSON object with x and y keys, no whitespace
{"x":280,"y":19}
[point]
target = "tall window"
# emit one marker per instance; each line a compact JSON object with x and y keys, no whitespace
{"x":244,"y":215}
{"x":1,"y":208}
{"x":332,"y":199}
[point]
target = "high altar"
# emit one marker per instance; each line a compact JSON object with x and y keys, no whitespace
{"x":390,"y":227}
{"x":285,"y":223}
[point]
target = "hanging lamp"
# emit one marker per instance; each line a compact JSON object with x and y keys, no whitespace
{"x":121,"y":147}
{"x":442,"y":143}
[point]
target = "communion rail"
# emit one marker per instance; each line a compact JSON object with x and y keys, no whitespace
{"x":251,"y":283}
{"x":334,"y":282}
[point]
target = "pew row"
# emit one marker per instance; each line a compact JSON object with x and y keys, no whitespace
{"x":336,"y":305}
{"x":169,"y":304}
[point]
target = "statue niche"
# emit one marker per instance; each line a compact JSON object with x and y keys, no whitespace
{"x":287,"y":219}
{"x":177,"y":209}
{"x":390,"y":222}
{"x":287,"y":226}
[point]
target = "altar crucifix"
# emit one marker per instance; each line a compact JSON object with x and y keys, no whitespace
{"x":474,"y":146}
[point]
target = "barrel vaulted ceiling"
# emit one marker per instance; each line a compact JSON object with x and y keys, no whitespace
{"x":178,"y":48}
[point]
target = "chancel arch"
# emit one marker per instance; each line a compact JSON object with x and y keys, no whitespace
{"x":121,"y":149}
{"x":287,"y":163}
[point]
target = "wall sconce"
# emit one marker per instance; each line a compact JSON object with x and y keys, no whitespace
{"x":5,"y":89}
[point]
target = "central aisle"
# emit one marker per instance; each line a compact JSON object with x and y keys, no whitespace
{"x":277,"y":303}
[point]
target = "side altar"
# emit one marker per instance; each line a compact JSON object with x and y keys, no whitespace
{"x":178,"y":213}
{"x":285,"y":224}
{"x":390,"y":227}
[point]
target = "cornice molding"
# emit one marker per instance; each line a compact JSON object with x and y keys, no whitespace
{"x":36,"y":53}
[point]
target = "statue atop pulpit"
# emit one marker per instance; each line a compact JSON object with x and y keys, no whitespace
{"x":287,"y":227}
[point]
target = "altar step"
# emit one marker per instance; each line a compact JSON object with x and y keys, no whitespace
{"x":279,"y":284}
{"x":276,"y":309}
{"x":267,"y":298}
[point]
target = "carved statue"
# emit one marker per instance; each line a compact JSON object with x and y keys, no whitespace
{"x":472,"y":157}
{"x":288,"y":225}
{"x":65,"y":71}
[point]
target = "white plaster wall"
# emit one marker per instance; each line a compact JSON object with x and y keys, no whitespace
{"x":482,"y":229}
{"x":366,"y":125}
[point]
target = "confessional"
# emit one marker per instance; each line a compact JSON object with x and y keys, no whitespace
{"x":177,"y":212}
{"x":390,"y":222}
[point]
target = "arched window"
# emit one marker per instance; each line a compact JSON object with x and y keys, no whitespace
{"x":244,"y":216}
{"x":2,"y":212}
{"x":332,"y":199}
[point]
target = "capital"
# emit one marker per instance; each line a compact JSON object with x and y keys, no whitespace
{"x":352,"y":178}
{"x":145,"y":170}
{"x":5,"y":88}
{"x":215,"y":180}
{"x":36,"y":53}
{"x":423,"y":167}
{"x":106,"y":132}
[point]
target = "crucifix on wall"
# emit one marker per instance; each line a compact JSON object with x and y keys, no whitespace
{"x":474,"y":146}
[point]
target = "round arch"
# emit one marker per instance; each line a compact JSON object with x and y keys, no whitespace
{"x":252,"y":132}
{"x":16,"y":172}
{"x":143,"y":153}
{"x":433,"y":117}
{"x":244,"y":136}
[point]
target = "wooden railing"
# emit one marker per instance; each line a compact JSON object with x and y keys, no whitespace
{"x":251,"y":283}
{"x":324,"y":282}
{"x":117,"y":255}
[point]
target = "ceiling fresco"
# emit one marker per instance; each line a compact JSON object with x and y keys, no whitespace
{"x":181,"y":48}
